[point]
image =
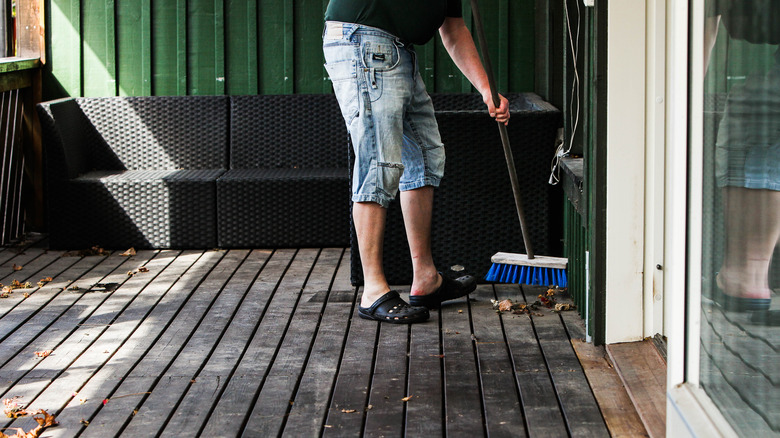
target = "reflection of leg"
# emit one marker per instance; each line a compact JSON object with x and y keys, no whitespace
{"x":752,"y":220}
{"x":417,"y":208}
{"x":369,"y":218}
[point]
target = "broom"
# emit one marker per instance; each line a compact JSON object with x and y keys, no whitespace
{"x":508,"y":267}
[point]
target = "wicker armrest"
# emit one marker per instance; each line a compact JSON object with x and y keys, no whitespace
{"x":66,"y":148}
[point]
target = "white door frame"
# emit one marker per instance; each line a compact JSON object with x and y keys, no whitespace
{"x":688,"y":406}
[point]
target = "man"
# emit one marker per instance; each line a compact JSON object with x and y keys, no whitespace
{"x":368,"y":47}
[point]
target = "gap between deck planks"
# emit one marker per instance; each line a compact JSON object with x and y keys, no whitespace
{"x":268,"y":343}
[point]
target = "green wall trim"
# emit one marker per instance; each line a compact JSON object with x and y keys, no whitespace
{"x":180,"y":47}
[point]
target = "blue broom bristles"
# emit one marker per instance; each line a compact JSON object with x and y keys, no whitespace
{"x":536,"y":276}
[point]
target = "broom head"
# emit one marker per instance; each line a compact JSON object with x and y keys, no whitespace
{"x":518,"y":268}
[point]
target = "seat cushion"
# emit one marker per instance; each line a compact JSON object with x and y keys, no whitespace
{"x":276,"y":208}
{"x":139,"y":208}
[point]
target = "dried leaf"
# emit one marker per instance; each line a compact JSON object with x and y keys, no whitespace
{"x":129,"y":252}
{"x":43,"y":281}
{"x":44,"y":353}
{"x":348,"y":411}
{"x":47,"y":420}
{"x":143,"y":269}
{"x":505,"y":306}
{"x":26,"y":295}
{"x":15,"y":284}
{"x":407,"y":398}
{"x":17,"y":267}
{"x":13,"y":409}
{"x":84,"y":422}
{"x":460,"y":311}
{"x":562,"y":307}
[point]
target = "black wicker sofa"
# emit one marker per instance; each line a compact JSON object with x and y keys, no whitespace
{"x":273,"y":171}
{"x":196,"y":172}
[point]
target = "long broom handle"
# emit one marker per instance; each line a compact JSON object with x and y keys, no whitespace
{"x":510,"y":162}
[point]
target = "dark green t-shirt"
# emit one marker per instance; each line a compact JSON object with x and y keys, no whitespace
{"x":415,"y":21}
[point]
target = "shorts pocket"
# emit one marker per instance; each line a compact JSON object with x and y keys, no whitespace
{"x":341,"y":70}
{"x":379,"y":58}
{"x":343,"y":75}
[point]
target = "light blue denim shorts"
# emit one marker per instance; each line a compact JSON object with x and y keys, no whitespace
{"x":747,"y":151}
{"x":388,"y":113}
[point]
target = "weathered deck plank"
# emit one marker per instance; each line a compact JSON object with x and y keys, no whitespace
{"x":182,"y":374}
{"x":101,"y":368}
{"x":385,"y":411}
{"x":349,"y":400}
{"x":277,"y":396}
{"x":425,"y":414}
{"x":542,"y":413}
{"x":194,"y":408}
{"x":48,"y":329}
{"x":231,"y":413}
{"x":268,"y":343}
{"x":44,"y":265}
{"x":500,"y":394}
{"x":121,"y":409}
{"x":462,"y":391}
{"x":615,"y":404}
{"x":309,"y":408}
{"x":580,"y":408}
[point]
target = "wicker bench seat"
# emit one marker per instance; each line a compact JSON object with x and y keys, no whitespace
{"x":196,"y":172}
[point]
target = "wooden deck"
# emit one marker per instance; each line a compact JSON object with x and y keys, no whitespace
{"x":267,"y":343}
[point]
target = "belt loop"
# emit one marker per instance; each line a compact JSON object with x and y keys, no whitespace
{"x":352,"y":29}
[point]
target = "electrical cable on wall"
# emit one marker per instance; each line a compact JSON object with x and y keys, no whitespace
{"x":562,"y":150}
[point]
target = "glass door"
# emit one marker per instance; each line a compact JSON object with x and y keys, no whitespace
{"x":739,"y":267}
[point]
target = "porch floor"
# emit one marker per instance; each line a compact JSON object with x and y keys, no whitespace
{"x":267,"y":343}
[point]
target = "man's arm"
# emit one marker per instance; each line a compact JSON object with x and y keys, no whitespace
{"x":460,"y":45}
{"x":711,"y":25}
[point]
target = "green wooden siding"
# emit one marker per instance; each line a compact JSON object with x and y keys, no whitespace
{"x":179,"y":47}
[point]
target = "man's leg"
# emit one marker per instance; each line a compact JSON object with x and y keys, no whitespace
{"x":752,"y":231}
{"x":369,"y":218}
{"x":417,"y":207}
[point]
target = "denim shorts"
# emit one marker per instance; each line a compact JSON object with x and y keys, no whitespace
{"x":747,"y":151}
{"x":388,"y":113}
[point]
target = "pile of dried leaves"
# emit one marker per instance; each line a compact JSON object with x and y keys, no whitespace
{"x":5,"y":291}
{"x":545,"y":300}
{"x":13,"y":409}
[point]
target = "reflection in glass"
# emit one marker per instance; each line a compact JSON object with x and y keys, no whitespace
{"x":740,"y":337}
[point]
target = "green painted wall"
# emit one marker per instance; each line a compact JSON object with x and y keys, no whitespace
{"x":202,"y":47}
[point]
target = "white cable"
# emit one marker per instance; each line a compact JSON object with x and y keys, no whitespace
{"x":574,"y":103}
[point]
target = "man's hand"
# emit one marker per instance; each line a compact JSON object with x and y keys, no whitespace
{"x":501,"y":114}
